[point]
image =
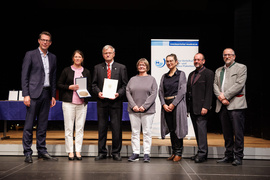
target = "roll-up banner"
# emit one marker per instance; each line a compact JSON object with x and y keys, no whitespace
{"x":185,"y":49}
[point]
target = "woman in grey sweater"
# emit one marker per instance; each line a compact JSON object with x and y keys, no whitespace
{"x":141,"y":93}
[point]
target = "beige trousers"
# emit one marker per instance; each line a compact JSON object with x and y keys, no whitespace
{"x":74,"y":113}
{"x":145,"y":120}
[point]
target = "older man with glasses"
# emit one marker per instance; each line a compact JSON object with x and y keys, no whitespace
{"x":229,"y":88}
{"x":109,"y":108}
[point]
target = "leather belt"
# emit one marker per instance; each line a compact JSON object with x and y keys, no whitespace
{"x":170,"y":97}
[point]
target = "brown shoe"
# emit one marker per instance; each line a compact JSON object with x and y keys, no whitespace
{"x":171,"y":158}
{"x":177,"y":158}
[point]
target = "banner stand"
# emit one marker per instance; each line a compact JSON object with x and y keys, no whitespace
{"x":185,"y":49}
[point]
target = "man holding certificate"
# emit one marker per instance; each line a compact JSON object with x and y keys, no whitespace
{"x":109,"y":84}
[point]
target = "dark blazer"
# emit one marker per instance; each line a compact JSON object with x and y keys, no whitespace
{"x":33,"y":74}
{"x":66,"y":79}
{"x":118,"y":72}
{"x":201,"y":91}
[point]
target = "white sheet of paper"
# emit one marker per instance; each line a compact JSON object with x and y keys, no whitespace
{"x":109,"y":88}
{"x":20,"y":96}
{"x":13,"y":96}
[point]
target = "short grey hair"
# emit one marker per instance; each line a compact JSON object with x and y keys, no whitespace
{"x":143,"y":60}
{"x":107,"y":47}
{"x":229,"y":49}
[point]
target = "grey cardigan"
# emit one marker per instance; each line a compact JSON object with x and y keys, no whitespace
{"x":181,"y":109}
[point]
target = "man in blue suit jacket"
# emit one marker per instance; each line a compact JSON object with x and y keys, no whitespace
{"x":38,"y":89}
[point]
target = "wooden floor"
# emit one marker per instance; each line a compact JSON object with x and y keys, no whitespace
{"x":90,"y":137}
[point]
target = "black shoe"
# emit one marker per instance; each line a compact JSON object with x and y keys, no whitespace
{"x":100,"y":157}
{"x":28,"y":159}
{"x":117,"y":157}
{"x":79,"y":158}
{"x":47,"y":156}
{"x":71,"y":158}
{"x":200,"y":159}
{"x":225,"y":160}
{"x":237,"y":162}
{"x":193,"y":157}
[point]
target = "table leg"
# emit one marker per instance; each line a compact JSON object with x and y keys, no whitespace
{"x":5,"y":131}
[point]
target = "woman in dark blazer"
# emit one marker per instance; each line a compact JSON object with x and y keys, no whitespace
{"x":172,"y":95}
{"x":74,"y":108}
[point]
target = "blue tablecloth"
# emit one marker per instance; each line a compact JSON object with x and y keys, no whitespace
{"x":16,"y":110}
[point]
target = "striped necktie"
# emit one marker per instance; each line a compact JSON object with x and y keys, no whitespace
{"x":109,"y":71}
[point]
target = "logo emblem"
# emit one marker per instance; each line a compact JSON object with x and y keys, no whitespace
{"x":160,"y":63}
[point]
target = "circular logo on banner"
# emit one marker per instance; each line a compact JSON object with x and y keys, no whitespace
{"x":160,"y":63}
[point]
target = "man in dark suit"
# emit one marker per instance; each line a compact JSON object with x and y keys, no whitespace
{"x":38,"y":89}
{"x":109,"y":108}
{"x":199,"y":100}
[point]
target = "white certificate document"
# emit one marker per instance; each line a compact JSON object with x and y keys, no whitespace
{"x":13,"y":96}
{"x":20,"y":96}
{"x":109,"y":88}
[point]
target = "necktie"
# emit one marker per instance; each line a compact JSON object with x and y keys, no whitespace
{"x":221,"y":76}
{"x":109,"y":71}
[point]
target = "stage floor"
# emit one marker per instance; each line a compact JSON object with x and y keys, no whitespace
{"x":91,"y":138}
{"x":13,"y":168}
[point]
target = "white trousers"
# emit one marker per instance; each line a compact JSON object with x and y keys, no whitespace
{"x":145,"y":120}
{"x":74,"y":113}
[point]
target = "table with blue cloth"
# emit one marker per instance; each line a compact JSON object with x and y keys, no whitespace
{"x":16,"y":110}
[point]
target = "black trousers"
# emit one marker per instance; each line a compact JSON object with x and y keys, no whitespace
{"x":39,"y":108}
{"x":177,"y":144}
{"x":115,"y":115}
{"x":232,"y":122}
{"x":200,"y":128}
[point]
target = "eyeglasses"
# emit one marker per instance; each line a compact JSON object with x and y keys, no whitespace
{"x":198,"y":59}
{"x":45,"y":40}
{"x":109,"y":53}
{"x":229,"y":55}
{"x":143,"y":65}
